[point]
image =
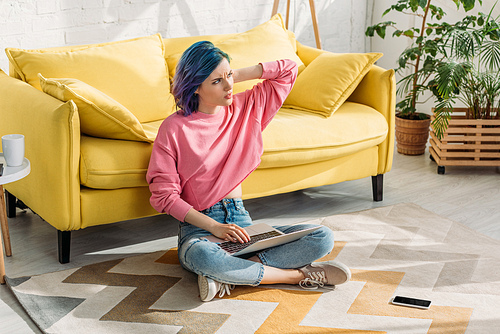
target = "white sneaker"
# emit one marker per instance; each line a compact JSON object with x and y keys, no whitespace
{"x":209,"y":288}
{"x":324,"y":273}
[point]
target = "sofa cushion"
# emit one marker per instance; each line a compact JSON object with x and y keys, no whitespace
{"x":174,"y":47}
{"x":113,"y":164}
{"x":295,"y":137}
{"x":132,"y":72}
{"x":100,"y":115}
{"x":266,"y":42}
{"x":292,"y":138}
{"x":328,"y":81}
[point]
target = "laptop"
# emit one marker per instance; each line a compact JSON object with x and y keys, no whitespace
{"x":262,"y":236}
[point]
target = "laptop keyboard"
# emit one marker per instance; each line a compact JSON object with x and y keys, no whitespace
{"x":233,"y":247}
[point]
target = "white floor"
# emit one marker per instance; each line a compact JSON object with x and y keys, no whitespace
{"x":469,"y":195}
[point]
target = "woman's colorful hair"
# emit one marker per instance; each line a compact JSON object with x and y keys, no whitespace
{"x":195,"y":65}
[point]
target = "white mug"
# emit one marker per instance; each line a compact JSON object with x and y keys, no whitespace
{"x":13,"y":149}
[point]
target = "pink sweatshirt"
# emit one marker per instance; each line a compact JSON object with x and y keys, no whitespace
{"x":197,"y":160}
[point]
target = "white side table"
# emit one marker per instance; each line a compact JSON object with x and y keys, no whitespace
{"x":10,"y":174}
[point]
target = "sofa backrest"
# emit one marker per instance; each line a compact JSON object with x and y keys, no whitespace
{"x":132,"y":72}
{"x":136,"y":74}
{"x":137,"y":78}
{"x":266,"y":42}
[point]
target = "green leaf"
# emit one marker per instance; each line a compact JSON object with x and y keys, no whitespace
{"x":449,"y":76}
{"x":414,"y":4}
{"x":381,"y":31}
{"x":442,"y":117}
{"x":370,"y":31}
{"x":402,"y":62}
{"x":409,"y":33}
{"x":491,"y":55}
{"x":468,"y":4}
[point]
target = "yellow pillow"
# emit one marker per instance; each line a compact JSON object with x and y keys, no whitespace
{"x":133,"y":72}
{"x":100,"y":115}
{"x":266,"y":42}
{"x":328,"y":81}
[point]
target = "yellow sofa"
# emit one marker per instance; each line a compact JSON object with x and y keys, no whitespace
{"x":90,"y":113}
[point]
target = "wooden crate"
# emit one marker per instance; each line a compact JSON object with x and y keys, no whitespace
{"x":467,"y":142}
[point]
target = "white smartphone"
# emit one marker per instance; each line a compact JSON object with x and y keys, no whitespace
{"x":411,"y":302}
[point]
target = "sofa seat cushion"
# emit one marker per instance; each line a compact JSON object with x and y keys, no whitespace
{"x":113,"y":164}
{"x":293,"y":138}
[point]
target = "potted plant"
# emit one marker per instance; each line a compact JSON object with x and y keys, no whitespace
{"x":420,"y":59}
{"x":469,"y":73}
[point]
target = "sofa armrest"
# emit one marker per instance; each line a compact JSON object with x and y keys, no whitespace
{"x":378,"y":90}
{"x":52,"y":140}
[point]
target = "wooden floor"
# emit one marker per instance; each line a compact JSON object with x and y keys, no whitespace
{"x":469,"y":195}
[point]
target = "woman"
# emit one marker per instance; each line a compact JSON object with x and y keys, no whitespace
{"x":201,"y":156}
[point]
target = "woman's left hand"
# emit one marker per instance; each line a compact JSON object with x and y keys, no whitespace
{"x":247,"y":73}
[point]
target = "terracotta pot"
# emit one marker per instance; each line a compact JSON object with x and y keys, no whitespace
{"x":412,"y":135}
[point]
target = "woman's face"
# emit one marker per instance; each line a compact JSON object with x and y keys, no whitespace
{"x":217,"y":89}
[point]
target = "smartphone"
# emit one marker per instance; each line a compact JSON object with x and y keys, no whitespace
{"x":411,"y":302}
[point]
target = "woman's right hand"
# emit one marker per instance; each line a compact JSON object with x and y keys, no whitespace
{"x":230,"y":232}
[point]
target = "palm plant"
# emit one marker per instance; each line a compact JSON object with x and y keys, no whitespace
{"x":469,"y":72}
{"x":423,"y":55}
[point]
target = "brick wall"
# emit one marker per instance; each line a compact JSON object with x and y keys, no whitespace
{"x":45,"y":23}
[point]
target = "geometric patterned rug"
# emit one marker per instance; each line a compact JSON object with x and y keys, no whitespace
{"x":395,"y":250}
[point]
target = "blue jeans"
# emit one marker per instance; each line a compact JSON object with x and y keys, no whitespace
{"x":206,"y":258}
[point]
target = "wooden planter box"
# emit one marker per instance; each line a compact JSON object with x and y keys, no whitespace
{"x":466,"y":142}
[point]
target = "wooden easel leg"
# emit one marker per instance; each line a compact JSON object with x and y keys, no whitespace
{"x":287,"y":13}
{"x":315,"y":23}
{"x":275,"y":7}
{"x":275,"y":10}
{"x":4,"y":224}
{"x":313,"y":17}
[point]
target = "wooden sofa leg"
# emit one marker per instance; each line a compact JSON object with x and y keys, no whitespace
{"x":378,"y":187}
{"x":10,"y":201}
{"x":64,"y":243}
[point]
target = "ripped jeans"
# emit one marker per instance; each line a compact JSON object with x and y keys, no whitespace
{"x":206,"y":258}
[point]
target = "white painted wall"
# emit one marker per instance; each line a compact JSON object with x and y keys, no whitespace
{"x":32,"y":24}
{"x":392,"y":47}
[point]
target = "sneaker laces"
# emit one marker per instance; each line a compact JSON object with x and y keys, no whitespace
{"x":319,"y":276}
{"x":310,"y":284}
{"x":225,"y":288}
{"x":316,"y":279}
